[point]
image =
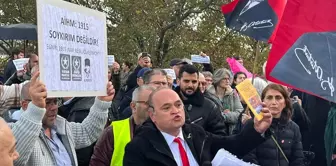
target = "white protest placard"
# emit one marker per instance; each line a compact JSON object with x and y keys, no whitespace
{"x":110,"y":60}
{"x":171,"y":73}
{"x":200,"y":59}
{"x":19,"y":63}
{"x":72,"y":47}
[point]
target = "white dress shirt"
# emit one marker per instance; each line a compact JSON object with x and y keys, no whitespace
{"x":175,"y":150}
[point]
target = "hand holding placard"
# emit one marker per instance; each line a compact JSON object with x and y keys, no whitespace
{"x":37,"y":91}
{"x":261,"y":125}
{"x":19,"y":63}
{"x":110,"y":93}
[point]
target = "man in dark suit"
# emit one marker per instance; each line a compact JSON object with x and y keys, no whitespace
{"x":166,"y":140}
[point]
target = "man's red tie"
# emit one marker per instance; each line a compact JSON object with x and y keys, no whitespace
{"x":183,"y":153}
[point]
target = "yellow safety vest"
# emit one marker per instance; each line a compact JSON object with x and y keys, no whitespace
{"x":122,"y":136}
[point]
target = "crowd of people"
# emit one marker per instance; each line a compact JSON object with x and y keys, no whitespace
{"x":149,"y":118}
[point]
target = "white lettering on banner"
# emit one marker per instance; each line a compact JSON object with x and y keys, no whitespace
{"x":318,"y":70}
{"x":257,"y":25}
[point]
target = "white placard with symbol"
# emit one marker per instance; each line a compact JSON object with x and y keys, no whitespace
{"x":200,"y":59}
{"x":110,"y":60}
{"x":19,"y":63}
{"x":171,"y":73}
{"x":73,"y":44}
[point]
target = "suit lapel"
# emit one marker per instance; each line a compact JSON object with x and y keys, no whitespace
{"x":160,"y":144}
{"x":188,"y":137}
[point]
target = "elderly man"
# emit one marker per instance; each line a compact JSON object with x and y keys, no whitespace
{"x":8,"y":152}
{"x":156,"y":78}
{"x":167,"y":140}
{"x":109,"y":150}
{"x":202,"y":82}
{"x":44,"y":138}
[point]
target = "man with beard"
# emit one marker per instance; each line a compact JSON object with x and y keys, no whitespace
{"x":199,"y":110}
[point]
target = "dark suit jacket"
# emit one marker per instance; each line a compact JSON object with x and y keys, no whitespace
{"x":149,"y":147}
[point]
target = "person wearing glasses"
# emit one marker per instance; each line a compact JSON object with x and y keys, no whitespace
{"x":109,"y":149}
{"x":153,"y":77}
{"x":231,"y":106}
{"x":44,"y":138}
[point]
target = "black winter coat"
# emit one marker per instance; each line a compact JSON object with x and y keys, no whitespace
{"x":288,"y":137}
{"x":203,"y":112}
{"x":132,"y":78}
{"x":149,"y":148}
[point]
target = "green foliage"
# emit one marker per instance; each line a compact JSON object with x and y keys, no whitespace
{"x":164,"y":28}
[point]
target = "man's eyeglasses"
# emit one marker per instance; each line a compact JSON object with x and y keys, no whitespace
{"x":144,"y":102}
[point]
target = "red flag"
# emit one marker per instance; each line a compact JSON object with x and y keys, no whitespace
{"x":258,"y":19}
{"x":302,"y":54}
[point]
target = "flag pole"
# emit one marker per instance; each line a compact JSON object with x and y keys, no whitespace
{"x":256,"y":55}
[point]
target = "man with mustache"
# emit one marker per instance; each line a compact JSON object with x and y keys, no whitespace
{"x":44,"y":138}
{"x":166,"y":139}
{"x":199,"y":110}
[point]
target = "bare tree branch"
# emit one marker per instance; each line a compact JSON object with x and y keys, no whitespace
{"x":187,"y":14}
{"x":5,"y":49}
{"x":8,"y":45}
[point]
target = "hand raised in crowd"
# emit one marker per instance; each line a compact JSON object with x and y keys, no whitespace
{"x":262,"y":125}
{"x":110,"y":93}
{"x":203,"y":54}
{"x":245,"y":118}
{"x":296,"y":98}
{"x":228,"y":88}
{"x":37,"y":91}
{"x":20,"y":73}
{"x":116,"y":67}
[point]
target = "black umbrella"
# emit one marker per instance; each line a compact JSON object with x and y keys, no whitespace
{"x":18,"y":32}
